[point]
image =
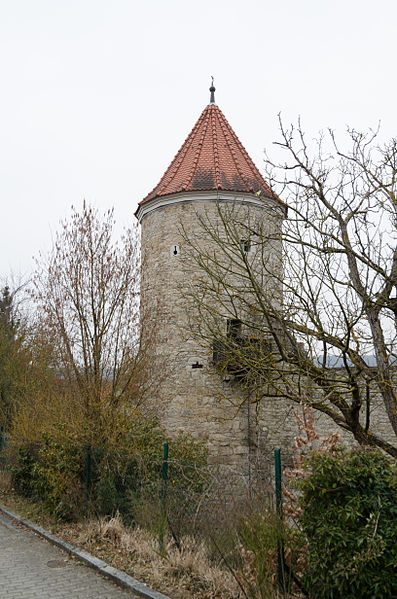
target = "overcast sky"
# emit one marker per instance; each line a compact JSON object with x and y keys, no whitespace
{"x":97,"y":96}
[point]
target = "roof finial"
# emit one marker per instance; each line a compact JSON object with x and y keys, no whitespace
{"x":212,"y":90}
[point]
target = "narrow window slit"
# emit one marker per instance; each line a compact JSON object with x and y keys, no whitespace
{"x":245,"y":245}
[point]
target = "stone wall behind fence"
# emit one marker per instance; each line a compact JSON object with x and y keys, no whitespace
{"x":191,"y":397}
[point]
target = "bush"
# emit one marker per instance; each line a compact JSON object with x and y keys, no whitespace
{"x":260,"y":533}
{"x":59,"y":475}
{"x":51,"y":471}
{"x":122,"y":475}
{"x":22,"y":472}
{"x":349,"y":516}
{"x":186,"y":481}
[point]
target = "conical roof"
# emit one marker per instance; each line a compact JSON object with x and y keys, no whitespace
{"x":211,"y":158}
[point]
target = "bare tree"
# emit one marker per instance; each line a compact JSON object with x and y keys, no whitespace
{"x":311,"y":306}
{"x":87,"y":290}
{"x":13,"y":354}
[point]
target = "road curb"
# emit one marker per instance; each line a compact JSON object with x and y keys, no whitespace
{"x":121,"y":578}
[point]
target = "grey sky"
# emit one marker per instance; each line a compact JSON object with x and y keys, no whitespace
{"x":97,"y":96}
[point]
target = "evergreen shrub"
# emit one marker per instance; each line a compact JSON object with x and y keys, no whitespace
{"x":349,"y":517}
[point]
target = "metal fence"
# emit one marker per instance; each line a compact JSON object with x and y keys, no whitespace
{"x":170,"y":496}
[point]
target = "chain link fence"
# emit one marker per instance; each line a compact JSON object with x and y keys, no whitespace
{"x":172,"y":497}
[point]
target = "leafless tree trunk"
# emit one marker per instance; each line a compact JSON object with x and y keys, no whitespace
{"x":317,"y":318}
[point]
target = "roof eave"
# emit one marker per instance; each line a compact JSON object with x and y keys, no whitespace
{"x":148,"y":205}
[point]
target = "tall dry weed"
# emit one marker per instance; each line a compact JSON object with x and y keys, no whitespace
{"x":188,"y":567}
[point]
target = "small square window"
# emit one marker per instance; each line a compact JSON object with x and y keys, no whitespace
{"x":245,"y":245}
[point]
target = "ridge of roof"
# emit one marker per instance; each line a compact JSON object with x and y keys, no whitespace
{"x":211,"y":158}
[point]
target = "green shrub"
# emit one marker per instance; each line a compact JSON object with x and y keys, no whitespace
{"x":124,"y":474}
{"x":349,"y":517}
{"x":260,"y":534}
{"x":58,"y":475}
{"x":187,"y":478}
{"x":22,"y":472}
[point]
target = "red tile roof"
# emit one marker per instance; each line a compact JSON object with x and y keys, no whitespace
{"x":211,"y":158}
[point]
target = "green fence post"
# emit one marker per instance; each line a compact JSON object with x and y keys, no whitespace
{"x":164,"y":476}
{"x":279,"y":509}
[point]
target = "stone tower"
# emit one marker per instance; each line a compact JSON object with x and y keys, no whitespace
{"x":212,"y":169}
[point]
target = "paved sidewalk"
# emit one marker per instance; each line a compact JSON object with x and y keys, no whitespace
{"x":31,"y":568}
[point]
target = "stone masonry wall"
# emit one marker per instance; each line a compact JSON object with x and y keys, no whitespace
{"x":190,"y":399}
{"x":190,"y":396}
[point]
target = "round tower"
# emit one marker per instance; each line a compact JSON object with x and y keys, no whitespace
{"x":211,"y":170}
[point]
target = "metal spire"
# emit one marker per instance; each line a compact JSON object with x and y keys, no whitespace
{"x":212,"y":90}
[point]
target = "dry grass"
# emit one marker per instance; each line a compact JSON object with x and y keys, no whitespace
{"x":187,"y":572}
{"x":187,"y":568}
